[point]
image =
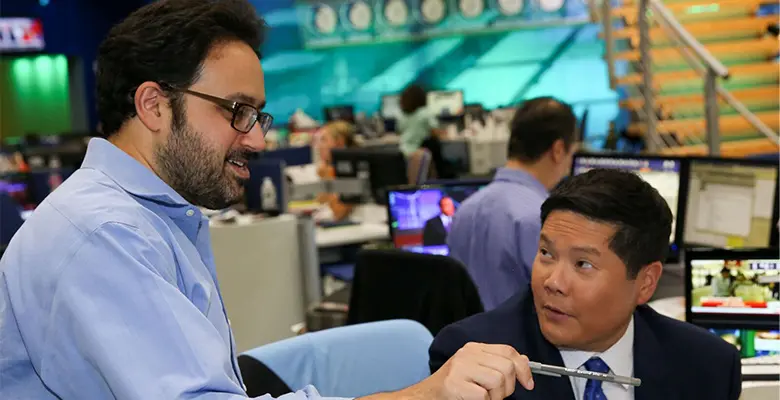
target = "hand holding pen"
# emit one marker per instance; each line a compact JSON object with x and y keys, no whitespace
{"x":488,"y":371}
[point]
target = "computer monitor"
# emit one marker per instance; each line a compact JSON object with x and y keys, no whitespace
{"x":444,"y":103}
{"x":391,"y":106}
{"x":663,"y":173}
{"x":340,"y":113}
{"x":733,"y":289}
{"x":731,"y":203}
{"x":751,"y":342}
{"x":418,"y":218}
{"x":382,"y":167}
{"x":292,"y":156}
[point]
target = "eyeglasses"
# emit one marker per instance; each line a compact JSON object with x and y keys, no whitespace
{"x":244,"y":115}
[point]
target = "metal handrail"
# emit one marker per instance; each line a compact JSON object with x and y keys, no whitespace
{"x":695,"y":54}
{"x":701,"y":52}
{"x":740,"y":107}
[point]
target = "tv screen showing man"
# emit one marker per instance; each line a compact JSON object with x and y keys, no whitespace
{"x":436,"y":228}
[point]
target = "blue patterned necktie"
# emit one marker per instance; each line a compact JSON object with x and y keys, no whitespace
{"x":593,"y":389}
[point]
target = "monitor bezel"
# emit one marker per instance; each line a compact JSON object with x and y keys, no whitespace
{"x":682,"y":196}
{"x":430,"y":185}
{"x":728,"y":321}
{"x":773,"y":234}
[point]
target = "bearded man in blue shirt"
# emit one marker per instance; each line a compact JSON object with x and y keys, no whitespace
{"x":109,"y":290}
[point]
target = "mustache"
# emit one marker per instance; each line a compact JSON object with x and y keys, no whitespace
{"x":243,"y":155}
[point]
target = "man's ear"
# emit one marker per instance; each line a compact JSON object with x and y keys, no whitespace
{"x":151,"y":106}
{"x":558,"y":151}
{"x":647,"y":281}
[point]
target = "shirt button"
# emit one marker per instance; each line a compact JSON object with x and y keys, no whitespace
{"x":190,"y":213}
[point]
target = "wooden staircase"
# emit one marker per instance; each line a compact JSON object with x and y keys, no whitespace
{"x":736,"y":36}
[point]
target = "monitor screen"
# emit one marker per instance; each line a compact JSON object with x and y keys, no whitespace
{"x":382,"y":167}
{"x":734,"y":290}
{"x":730,"y":204}
{"x":662,"y":173}
{"x":445,"y":103}
{"x":340,"y":113}
{"x":391,"y":106}
{"x":420,"y":217}
{"x":751,"y":343}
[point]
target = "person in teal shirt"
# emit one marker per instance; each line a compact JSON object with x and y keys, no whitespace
{"x":417,"y":122}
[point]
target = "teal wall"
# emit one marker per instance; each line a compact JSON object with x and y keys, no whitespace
{"x":495,"y":69}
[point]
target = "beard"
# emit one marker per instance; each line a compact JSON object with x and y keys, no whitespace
{"x":194,"y":169}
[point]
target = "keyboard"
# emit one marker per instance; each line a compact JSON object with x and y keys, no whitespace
{"x":762,"y":360}
{"x":761,"y":368}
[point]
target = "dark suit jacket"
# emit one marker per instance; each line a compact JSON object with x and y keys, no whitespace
{"x":434,"y":233}
{"x":674,"y":360}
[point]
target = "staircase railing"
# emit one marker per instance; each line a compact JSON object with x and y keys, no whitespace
{"x":709,"y":68}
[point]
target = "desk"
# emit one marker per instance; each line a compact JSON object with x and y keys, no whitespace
{"x":352,"y":234}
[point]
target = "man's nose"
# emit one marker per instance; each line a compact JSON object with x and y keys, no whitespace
{"x":556,"y":280}
{"x":254,"y":139}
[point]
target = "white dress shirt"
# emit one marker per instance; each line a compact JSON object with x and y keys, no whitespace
{"x":445,"y":220}
{"x":619,"y":358}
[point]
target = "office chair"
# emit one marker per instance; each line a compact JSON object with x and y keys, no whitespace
{"x":350,"y":361}
{"x":419,"y":166}
{"x":390,"y":284}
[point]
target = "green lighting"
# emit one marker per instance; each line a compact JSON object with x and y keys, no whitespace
{"x":702,"y":8}
{"x":35,"y":94}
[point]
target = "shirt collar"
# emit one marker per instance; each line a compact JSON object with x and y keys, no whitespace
{"x":129,"y":174}
{"x":619,"y":357}
{"x":520,"y":177}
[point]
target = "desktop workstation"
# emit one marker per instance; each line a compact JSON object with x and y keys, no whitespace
{"x":734,"y":294}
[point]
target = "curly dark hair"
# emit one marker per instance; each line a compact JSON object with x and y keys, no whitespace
{"x":413,"y":98}
{"x":166,"y":41}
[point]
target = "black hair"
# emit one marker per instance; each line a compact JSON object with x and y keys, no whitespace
{"x":537,"y":125}
{"x":166,"y":41}
{"x":620,"y":198}
{"x":725,"y":270}
{"x":413,"y":98}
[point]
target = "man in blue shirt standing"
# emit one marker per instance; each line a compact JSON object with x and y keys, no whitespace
{"x":109,"y":290}
{"x":495,"y":232}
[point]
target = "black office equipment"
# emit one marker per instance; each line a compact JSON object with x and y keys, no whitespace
{"x":733,"y":288}
{"x":340,"y":113}
{"x":383,"y":168}
{"x":292,"y":156}
{"x":731,"y":203}
{"x":260,"y":171}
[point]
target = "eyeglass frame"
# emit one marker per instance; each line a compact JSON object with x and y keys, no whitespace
{"x":229,"y":105}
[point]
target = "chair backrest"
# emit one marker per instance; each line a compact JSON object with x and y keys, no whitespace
{"x":394,"y":284}
{"x":419,"y":166}
{"x":351,"y":361}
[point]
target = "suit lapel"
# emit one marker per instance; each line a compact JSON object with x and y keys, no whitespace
{"x":540,"y":350}
{"x":649,"y":363}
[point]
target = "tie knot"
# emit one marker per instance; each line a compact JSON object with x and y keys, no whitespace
{"x":596,"y":364}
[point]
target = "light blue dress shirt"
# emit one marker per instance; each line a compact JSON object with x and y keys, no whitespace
{"x":495,"y":233}
{"x":109,"y":291}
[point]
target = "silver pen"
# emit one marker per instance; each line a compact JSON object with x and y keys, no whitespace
{"x":552,"y":370}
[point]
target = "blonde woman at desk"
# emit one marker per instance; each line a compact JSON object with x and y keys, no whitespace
{"x":333,"y":135}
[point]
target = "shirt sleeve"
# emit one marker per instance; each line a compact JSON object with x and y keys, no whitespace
{"x":119,"y":329}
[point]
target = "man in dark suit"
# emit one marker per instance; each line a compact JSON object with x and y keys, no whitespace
{"x":436,"y":228}
{"x":604,"y":237}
